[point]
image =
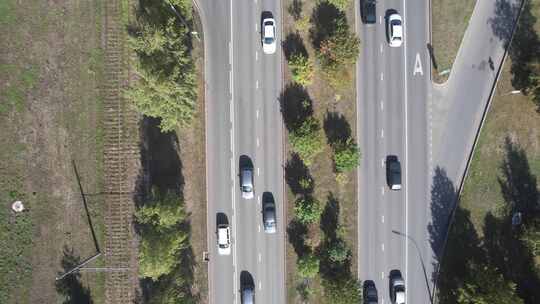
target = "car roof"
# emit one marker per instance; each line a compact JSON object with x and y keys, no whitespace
{"x":397,"y":30}
{"x":222,"y":234}
{"x":269,"y":30}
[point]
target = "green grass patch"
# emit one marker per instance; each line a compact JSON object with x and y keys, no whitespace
{"x":20,"y":82}
{"x":449,"y":22}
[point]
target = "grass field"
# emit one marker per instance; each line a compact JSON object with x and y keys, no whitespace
{"x":449,"y":21}
{"x":50,"y":71}
{"x":325,"y":100}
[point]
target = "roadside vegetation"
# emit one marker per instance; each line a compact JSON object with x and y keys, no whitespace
{"x":51,"y":71}
{"x":492,"y":254}
{"x":171,"y":215}
{"x":316,"y":106}
{"x":166,"y":86}
{"x":449,"y":22}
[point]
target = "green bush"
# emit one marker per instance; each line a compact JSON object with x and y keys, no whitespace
{"x":346,"y":156}
{"x":339,"y":50}
{"x":342,"y":5}
{"x":166,"y":87}
{"x":307,"y":140}
{"x":307,"y":210}
{"x":487,"y":286}
{"x":338,"y":251}
{"x":161,"y":237}
{"x":308,"y":265}
{"x":301,"y":69}
{"x":342,"y":291}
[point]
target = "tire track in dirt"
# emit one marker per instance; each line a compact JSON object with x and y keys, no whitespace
{"x":121,"y":162}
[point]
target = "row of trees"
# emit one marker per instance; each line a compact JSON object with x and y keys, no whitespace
{"x":166,"y":85}
{"x":165,"y":252}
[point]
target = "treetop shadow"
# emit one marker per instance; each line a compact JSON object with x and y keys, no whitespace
{"x":336,"y":127}
{"x":502,"y":24}
{"x":298,"y":176}
{"x":325,"y":19}
{"x":443,"y":200}
{"x":70,"y":286}
{"x":293,"y":45}
{"x":296,"y":105}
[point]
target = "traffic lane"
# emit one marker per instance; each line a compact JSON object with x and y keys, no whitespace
{"x":218,"y":145}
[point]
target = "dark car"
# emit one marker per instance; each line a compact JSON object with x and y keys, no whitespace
{"x":393,"y":172}
{"x":269,"y":213}
{"x":248,"y":295}
{"x":370,"y":293}
{"x":368,"y":11}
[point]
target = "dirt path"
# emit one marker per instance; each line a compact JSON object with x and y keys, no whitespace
{"x":121,"y":163}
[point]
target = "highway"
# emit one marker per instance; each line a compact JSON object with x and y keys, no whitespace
{"x":394,"y":86}
{"x":243,"y":119}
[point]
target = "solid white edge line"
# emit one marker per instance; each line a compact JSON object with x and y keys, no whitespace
{"x":406,"y":149}
{"x":235,"y":279}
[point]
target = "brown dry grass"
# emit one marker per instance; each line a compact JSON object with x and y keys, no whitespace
{"x":55,"y":119}
{"x":449,"y":22}
{"x":325,"y":99}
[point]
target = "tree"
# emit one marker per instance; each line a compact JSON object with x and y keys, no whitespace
{"x":161,"y":237}
{"x":301,"y":69}
{"x":342,"y":5}
{"x":487,"y":287}
{"x":308,"y":265}
{"x":342,"y":291}
{"x":166,"y":86}
{"x":338,"y":252}
{"x":159,"y":252}
{"x":531,"y":238}
{"x":307,"y":140}
{"x":307,"y":210}
{"x":346,"y":155}
{"x":340,"y":49}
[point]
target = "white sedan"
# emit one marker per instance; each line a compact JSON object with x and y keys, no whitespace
{"x":269,"y":36}
{"x":224,"y":239}
{"x":395,"y":30}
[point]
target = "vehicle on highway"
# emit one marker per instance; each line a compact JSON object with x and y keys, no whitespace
{"x":395,"y":30}
{"x":246,"y":182}
{"x":393,"y":172}
{"x":224,"y":239}
{"x":368,"y":11}
{"x":370,"y":293}
{"x":397,"y":287}
{"x":269,"y":213}
{"x":247,"y":294}
{"x":269,"y":35}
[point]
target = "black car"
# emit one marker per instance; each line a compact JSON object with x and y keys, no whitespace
{"x":368,"y":11}
{"x":393,"y":172}
{"x":370,"y":293}
{"x":269,"y":213}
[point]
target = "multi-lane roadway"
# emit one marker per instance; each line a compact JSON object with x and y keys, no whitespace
{"x":243,"y":120}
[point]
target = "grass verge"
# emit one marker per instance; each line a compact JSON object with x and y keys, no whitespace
{"x":449,"y":22}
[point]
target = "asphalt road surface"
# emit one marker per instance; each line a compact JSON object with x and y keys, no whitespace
{"x":243,"y":119}
{"x":394,"y":86}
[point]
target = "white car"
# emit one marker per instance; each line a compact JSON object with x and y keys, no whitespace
{"x":269,"y":36}
{"x":395,"y":30}
{"x":397,"y":287}
{"x":224,"y":239}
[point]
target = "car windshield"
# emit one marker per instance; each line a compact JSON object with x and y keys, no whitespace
{"x":268,"y":40}
{"x":246,"y":188}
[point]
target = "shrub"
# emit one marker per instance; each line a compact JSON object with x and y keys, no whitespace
{"x":307,"y":140}
{"x":307,"y":210}
{"x":340,"y":49}
{"x":342,"y":5}
{"x":346,"y":156}
{"x":308,"y":265}
{"x":344,"y":291}
{"x":301,"y":69}
{"x":338,"y":251}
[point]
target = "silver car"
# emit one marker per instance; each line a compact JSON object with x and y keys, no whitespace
{"x":246,"y":182}
{"x":269,"y":213}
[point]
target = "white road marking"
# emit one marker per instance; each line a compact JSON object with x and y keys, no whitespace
{"x":382,"y":162}
{"x":256,"y":84}
{"x":382,"y":76}
{"x":230,"y":82}
{"x":382,"y":190}
{"x":418,"y":66}
{"x":382,"y":218}
{"x":406,"y":148}
{"x":381,"y":48}
{"x":258,"y":171}
{"x":232,"y":137}
{"x":382,"y":247}
{"x":230,"y":53}
{"x":256,"y":27}
{"x":380,"y":19}
{"x":260,"y":257}
{"x":382,"y":274}
{"x":258,"y":198}
{"x":256,"y":55}
{"x":257,"y":114}
{"x":382,"y":300}
{"x":382,"y":133}
{"x":382,"y":105}
{"x":257,"y":141}
{"x":259,"y":228}
{"x":260,"y":285}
